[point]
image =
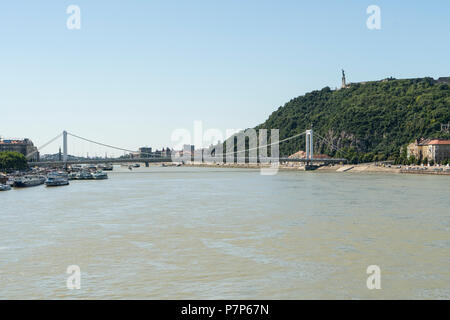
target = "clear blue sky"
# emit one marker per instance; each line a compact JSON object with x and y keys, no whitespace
{"x":137,"y":70}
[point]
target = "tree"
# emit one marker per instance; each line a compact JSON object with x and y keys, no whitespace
{"x":418,"y":161}
{"x":10,"y":160}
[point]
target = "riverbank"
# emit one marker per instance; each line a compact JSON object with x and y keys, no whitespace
{"x":368,"y":167}
{"x":344,"y":168}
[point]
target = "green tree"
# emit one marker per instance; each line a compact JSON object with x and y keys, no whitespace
{"x":12,"y":161}
{"x":418,"y":161}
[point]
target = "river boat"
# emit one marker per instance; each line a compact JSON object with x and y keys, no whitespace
{"x":100,"y":175}
{"x":85,"y":175}
{"x":5,"y":187}
{"x":29,"y":181}
{"x":57,"y":179}
{"x":73,"y":176}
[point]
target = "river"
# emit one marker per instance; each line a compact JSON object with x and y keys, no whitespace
{"x":216,"y":233}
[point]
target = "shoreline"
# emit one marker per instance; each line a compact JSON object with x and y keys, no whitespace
{"x":338,"y":168}
{"x":356,"y":168}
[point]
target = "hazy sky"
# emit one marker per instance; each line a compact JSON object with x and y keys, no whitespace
{"x":138,"y":70}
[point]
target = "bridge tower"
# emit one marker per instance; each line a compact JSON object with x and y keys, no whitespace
{"x":309,"y":145}
{"x":65,"y":147}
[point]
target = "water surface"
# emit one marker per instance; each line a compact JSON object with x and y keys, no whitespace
{"x":199,"y":233}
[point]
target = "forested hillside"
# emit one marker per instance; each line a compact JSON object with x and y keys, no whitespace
{"x":370,"y":121}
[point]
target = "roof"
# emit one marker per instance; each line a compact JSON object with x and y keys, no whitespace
{"x":427,"y":142}
{"x":439,"y":142}
{"x":13,"y":142}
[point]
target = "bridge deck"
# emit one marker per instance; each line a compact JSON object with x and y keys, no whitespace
{"x":168,"y":159}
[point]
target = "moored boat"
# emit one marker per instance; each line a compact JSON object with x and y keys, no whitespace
{"x":56,"y":179}
{"x":5,"y":187}
{"x":28,"y":181}
{"x":72,"y":176}
{"x":108,"y":167}
{"x":100,"y":175}
{"x":85,"y":175}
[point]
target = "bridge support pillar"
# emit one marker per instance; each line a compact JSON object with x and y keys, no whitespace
{"x":65,"y":148}
{"x":309,"y":146}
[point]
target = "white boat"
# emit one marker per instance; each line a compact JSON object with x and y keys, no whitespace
{"x":28,"y":181}
{"x":100,"y":175}
{"x":85,"y":175}
{"x":73,"y":176}
{"x":56,"y":179}
{"x":5,"y":187}
{"x":108,"y":167}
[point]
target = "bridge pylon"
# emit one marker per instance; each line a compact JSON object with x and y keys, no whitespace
{"x":65,"y":148}
{"x":309,"y":145}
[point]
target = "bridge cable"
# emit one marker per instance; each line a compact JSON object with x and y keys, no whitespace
{"x":229,"y":153}
{"x":330,"y":144}
{"x":105,"y":145}
{"x":43,"y":146}
{"x":259,"y":147}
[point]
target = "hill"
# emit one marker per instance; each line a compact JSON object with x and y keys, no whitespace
{"x":367,"y":121}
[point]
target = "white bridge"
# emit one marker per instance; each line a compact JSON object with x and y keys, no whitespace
{"x":154,"y":157}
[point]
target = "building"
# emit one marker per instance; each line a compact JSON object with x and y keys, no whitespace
{"x":188,"y":148}
{"x":25,"y":147}
{"x":166,"y":153}
{"x":135,"y":155}
{"x":437,"y":150}
{"x":145,"y":152}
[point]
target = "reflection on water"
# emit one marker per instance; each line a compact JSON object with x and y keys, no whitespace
{"x":179,"y":233}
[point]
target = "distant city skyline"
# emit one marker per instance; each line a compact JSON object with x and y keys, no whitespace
{"x":135,"y":72}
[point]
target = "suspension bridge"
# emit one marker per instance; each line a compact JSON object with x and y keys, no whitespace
{"x":145,"y":157}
